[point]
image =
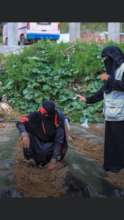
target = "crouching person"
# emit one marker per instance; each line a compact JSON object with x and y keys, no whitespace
{"x":43,"y":135}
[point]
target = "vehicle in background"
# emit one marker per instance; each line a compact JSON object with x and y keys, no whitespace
{"x":29,"y":32}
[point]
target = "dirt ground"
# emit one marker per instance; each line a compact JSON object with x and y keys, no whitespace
{"x":91,"y":150}
{"x":33,"y":182}
{"x":96,"y":151}
{"x":38,"y":182}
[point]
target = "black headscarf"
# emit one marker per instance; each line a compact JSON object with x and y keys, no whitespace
{"x":49,"y":119}
{"x":41,"y":123}
{"x":113,"y":58}
{"x":49,"y":106}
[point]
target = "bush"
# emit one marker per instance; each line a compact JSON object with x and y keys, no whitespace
{"x":56,"y":71}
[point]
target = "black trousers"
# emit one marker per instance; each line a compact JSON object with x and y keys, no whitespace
{"x":114,"y":145}
{"x":40,"y":151}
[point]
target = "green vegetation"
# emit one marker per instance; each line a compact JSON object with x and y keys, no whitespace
{"x":56,"y":71}
{"x":64,"y":27}
{"x":93,"y":26}
{"x":86,"y":26}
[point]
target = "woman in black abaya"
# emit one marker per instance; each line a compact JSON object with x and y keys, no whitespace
{"x":112,"y":93}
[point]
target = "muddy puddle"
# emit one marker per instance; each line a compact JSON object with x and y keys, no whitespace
{"x":8,"y":139}
{"x":81,"y":175}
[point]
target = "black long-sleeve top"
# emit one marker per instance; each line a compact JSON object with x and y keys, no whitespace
{"x":99,"y":95}
{"x":35,"y":124}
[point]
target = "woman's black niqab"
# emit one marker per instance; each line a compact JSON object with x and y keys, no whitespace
{"x":113,"y":59}
{"x":49,"y":120}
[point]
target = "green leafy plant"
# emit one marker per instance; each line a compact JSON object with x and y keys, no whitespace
{"x":56,"y":71}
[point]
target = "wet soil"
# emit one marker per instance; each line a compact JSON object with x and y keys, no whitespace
{"x":90,"y":142}
{"x":8,"y":138}
{"x":38,"y":182}
{"x":43,"y":183}
{"x":81,"y":174}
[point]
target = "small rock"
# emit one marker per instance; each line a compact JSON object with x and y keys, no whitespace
{"x":6,"y":108}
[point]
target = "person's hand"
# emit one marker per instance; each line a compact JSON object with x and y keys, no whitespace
{"x":52,"y":165}
{"x":82,"y":98}
{"x":25,"y":140}
{"x":104,"y":76}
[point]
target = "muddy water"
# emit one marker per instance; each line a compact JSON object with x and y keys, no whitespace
{"x":85,"y":159}
{"x":92,"y":176}
{"x":80,"y":176}
{"x":8,"y":138}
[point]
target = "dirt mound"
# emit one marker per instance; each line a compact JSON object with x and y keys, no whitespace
{"x":35,"y":182}
{"x":84,"y":147}
{"x":7,"y":113}
{"x":96,"y":151}
{"x":97,"y":129}
{"x":38,"y":182}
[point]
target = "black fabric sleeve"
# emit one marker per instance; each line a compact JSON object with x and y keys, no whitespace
{"x":58,"y":141}
{"x":117,"y":84}
{"x":98,"y":96}
{"x":21,"y":127}
{"x":32,"y":118}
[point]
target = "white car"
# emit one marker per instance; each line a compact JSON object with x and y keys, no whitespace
{"x":28,"y":32}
